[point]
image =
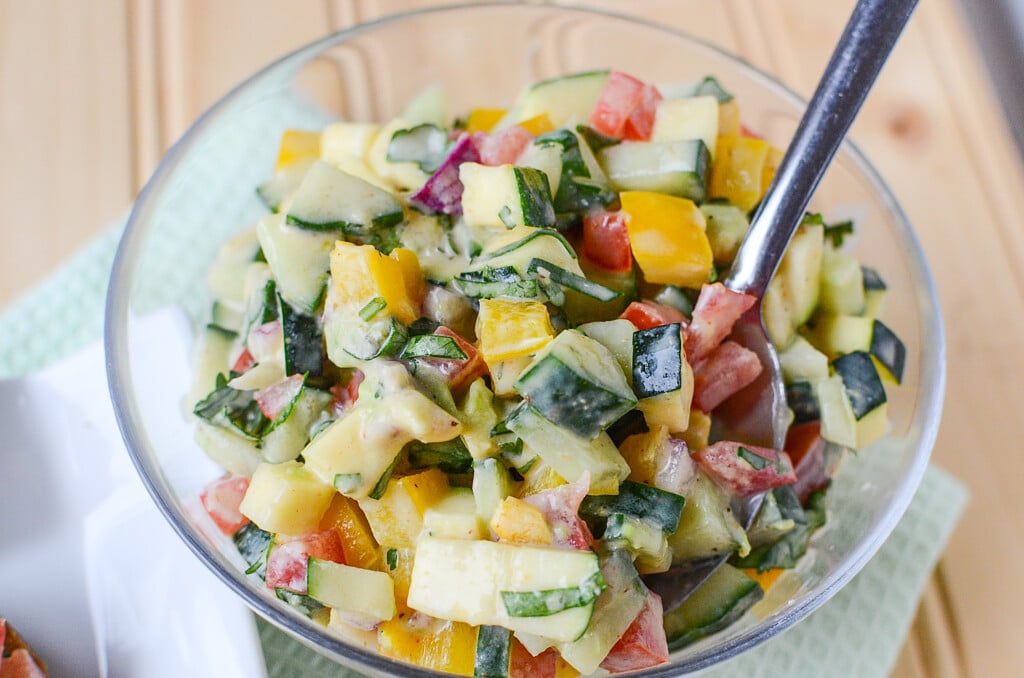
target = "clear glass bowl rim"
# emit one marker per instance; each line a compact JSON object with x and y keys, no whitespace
{"x":116,"y":343}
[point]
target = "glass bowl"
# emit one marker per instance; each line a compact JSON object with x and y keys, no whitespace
{"x":482,"y":55}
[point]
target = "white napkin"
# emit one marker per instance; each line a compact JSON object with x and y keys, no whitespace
{"x":90,"y":551}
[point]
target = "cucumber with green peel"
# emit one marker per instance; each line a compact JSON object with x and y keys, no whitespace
{"x":802,"y":362}
{"x":284,"y":183}
{"x":617,"y":337}
{"x":303,"y":341}
{"x":552,"y":601}
{"x":659,"y":507}
{"x":707,"y":527}
{"x":563,"y":99}
{"x":861,"y":381}
{"x":289,"y":433}
{"x":726,"y":227}
{"x":889,"y":351}
{"x":687,"y":118}
{"x":801,"y":399}
{"x":779,"y":514}
{"x":253,"y":545}
{"x":332,"y":200}
{"x":645,"y":540}
{"x":493,"y":657}
{"x":212,"y":356}
{"x":842,"y":284}
{"x":786,"y":552}
{"x":505,"y":196}
{"x":725,"y":597}
{"x":365,"y":596}
{"x":874,"y":291}
{"x":677,"y":168}
{"x":491,"y":484}
{"x":582,"y":184}
{"x":451,"y":456}
{"x":838,"y":423}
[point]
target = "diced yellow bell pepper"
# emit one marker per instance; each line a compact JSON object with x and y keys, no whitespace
{"x":431,"y":643}
{"x":518,"y":522}
{"x":538,"y":478}
{"x":667,"y":237}
{"x":484,"y":119}
{"x":401,"y":575}
{"x":412,"y":274}
{"x":357,"y":540}
{"x":286,"y":498}
{"x":641,"y":451}
{"x":537,"y":125}
{"x":697,"y":433}
{"x":729,"y":118}
{"x":425,"y":488}
{"x":564,"y":669}
{"x":510,"y":329}
{"x":766,"y":578}
{"x":738,"y":171}
{"x":360,"y":274}
{"x":297,"y":145}
{"x":397,"y":517}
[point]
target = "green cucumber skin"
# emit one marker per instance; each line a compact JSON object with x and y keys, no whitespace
{"x":801,"y":399}
{"x":657,"y":360}
{"x":658,"y":506}
{"x":254,"y":545}
{"x":546,"y":603}
{"x":721,"y":600}
{"x":450,"y":456}
{"x":863,"y":385}
{"x":534,"y":197}
{"x":493,"y":652}
{"x":889,"y":350}
{"x":303,"y":341}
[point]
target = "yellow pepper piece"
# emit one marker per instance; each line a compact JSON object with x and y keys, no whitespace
{"x":518,"y":522}
{"x":538,"y":478}
{"x":397,"y":517}
{"x":484,"y":119}
{"x":510,"y":329}
{"x":360,"y":274}
{"x":401,"y":575}
{"x":424,"y":489}
{"x":431,"y":643}
{"x":667,"y":237}
{"x":412,"y":274}
{"x":738,"y":171}
{"x":766,"y":578}
{"x":537,"y":125}
{"x":564,"y":669}
{"x":297,"y":145}
{"x":357,"y":540}
{"x":697,"y":433}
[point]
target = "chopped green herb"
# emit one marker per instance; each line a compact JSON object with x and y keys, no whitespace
{"x":372,"y":308}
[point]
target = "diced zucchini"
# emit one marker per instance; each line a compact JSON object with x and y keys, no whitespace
{"x":229,"y":272}
{"x":288,"y":435}
{"x":548,"y":159}
{"x":403,"y":176}
{"x":286,"y":498}
{"x":575,"y":382}
{"x":779,"y":514}
{"x":888,"y":351}
{"x":795,"y":287}
{"x":493,"y":652}
{"x":464,"y":580}
{"x":253,"y":545}
{"x":298,"y":258}
{"x":303,"y":341}
{"x":563,"y":99}
{"x":491,"y":484}
{"x":569,"y":454}
{"x":874,"y":291}
{"x":687,"y":118}
{"x":662,"y":378}
{"x":332,"y":200}
{"x":505,"y":196}
{"x":838,"y":424}
{"x":726,"y":227}
{"x":801,"y":398}
{"x":617,"y":337}
{"x":228,"y":449}
{"x":580,"y":308}
{"x":842,"y":284}
{"x":616,"y":608}
{"x":364,"y":596}
{"x":707,"y":527}
{"x":721,"y":600}
{"x":275,"y":192}
{"x":660,"y":507}
{"x":582,"y":184}
{"x":425,"y":144}
{"x":646,"y":541}
{"x":455,"y":517}
{"x":802,"y":362}
{"x":787,"y":551}
{"x":836,"y":335}
{"x":677,"y":168}
{"x":862,"y":383}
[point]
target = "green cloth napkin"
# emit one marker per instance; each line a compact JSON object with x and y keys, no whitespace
{"x":861,"y":629}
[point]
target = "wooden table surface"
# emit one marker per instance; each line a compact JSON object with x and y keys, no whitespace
{"x":91,"y":94}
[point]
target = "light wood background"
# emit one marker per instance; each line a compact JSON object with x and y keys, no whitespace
{"x":91,"y":93}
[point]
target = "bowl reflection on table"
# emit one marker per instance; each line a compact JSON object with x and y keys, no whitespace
{"x":203,"y":192}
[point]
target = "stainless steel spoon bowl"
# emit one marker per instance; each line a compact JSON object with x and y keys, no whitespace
{"x":758,"y":414}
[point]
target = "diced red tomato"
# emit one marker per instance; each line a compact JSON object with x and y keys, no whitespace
{"x":716,"y":311}
{"x":606,"y":240}
{"x":644,"y":644}
{"x":504,"y":147}
{"x":806,"y":449}
{"x":457,"y":372}
{"x":561,"y":505}
{"x":345,"y":396}
{"x":288,"y":561}
{"x":625,"y":108}
{"x":525,"y":665}
{"x":20,"y":665}
{"x":244,"y":362}
{"x":726,"y":370}
{"x":640,"y":122}
{"x":221,"y":499}
{"x":723,"y":462}
{"x":275,"y":398}
{"x":647,"y":314}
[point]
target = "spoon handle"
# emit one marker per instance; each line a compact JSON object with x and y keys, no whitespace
{"x":867,"y":40}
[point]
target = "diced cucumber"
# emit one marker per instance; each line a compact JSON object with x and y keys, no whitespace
{"x":617,"y":337}
{"x":288,"y":436}
{"x":646,"y":541}
{"x":228,"y":273}
{"x":861,"y":381}
{"x":801,"y":399}
{"x":491,"y":484}
{"x":616,"y":608}
{"x":505,"y":196}
{"x":563,"y":99}
{"x":254,"y":545}
{"x":569,"y":454}
{"x":550,"y":602}
{"x":284,"y":183}
{"x":842,"y":284}
{"x":227,"y":316}
{"x":582,"y":185}
{"x":677,"y":168}
{"x":332,"y":200}
{"x":548,"y":273}
{"x":779,"y":514}
{"x":874,"y":291}
{"x":579,"y":308}
{"x":889,"y":351}
{"x":721,"y":600}
{"x":455,"y":517}
{"x":835,"y":334}
{"x":787,"y":551}
{"x":299,"y":259}
{"x":726,"y":227}
{"x":451,"y":456}
{"x":212,"y":355}
{"x":687,"y":118}
{"x":303,"y":341}
{"x":838,"y":424}
{"x":660,"y":507}
{"x":802,"y":362}
{"x":707,"y":527}
{"x":575,"y":382}
{"x":800,"y":270}
{"x":367,"y":597}
{"x":493,"y":652}
{"x":403,"y":176}
{"x":662,"y":378}
{"x":463,"y":580}
{"x":424,"y":144}
{"x":228,"y":449}
{"x":548,"y":159}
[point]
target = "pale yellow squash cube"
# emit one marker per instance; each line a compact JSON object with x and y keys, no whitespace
{"x":286,"y":498}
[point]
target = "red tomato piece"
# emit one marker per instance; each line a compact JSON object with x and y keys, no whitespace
{"x":525,"y":665}
{"x":504,"y":147}
{"x":288,"y":561}
{"x":727,"y":370}
{"x":621,"y":95}
{"x":640,"y":122}
{"x":244,"y":362}
{"x":806,"y":449}
{"x":345,"y":396}
{"x":648,"y":314}
{"x":730,"y":465}
{"x":21,"y":665}
{"x":644,"y":644}
{"x":606,"y":240}
{"x":221,"y":499}
{"x":716,"y":311}
{"x":275,"y":398}
{"x":457,"y":372}
{"x":561,"y":505}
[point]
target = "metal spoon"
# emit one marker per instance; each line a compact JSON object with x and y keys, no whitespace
{"x":758,"y":415}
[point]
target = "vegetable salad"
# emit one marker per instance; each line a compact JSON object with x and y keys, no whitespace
{"x":462,"y":377}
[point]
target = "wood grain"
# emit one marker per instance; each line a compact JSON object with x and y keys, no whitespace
{"x":93,"y":93}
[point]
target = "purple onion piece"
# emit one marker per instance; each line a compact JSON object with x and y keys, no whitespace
{"x":443,"y":190}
